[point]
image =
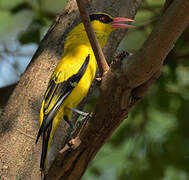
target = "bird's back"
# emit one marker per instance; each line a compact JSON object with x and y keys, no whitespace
{"x":70,"y":65}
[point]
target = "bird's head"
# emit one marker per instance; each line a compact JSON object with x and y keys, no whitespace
{"x":105,"y":23}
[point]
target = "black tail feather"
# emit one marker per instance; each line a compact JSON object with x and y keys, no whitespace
{"x":44,"y":154}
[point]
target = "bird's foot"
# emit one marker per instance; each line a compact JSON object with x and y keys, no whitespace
{"x":79,"y":122}
{"x":79,"y":112}
{"x":70,"y":123}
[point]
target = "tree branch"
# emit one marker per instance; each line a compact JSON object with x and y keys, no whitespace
{"x":157,"y":46}
{"x":101,"y":61}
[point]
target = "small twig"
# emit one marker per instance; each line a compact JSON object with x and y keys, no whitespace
{"x":74,"y":140}
{"x":101,"y":61}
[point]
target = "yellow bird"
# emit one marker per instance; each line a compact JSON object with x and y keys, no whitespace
{"x":73,"y":76}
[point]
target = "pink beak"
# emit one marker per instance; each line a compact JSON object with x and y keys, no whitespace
{"x":118,"y":22}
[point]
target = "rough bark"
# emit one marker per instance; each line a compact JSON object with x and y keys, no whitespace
{"x":19,"y":155}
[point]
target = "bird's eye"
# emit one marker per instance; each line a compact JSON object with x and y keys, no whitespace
{"x":104,"y":19}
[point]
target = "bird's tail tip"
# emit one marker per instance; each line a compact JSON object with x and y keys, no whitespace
{"x":42,"y":172}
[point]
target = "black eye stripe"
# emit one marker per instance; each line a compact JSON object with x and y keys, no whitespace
{"x":101,"y":17}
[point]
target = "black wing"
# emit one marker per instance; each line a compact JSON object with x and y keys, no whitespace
{"x":57,"y":93}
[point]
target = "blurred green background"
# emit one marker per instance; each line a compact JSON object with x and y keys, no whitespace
{"x":153,"y":143}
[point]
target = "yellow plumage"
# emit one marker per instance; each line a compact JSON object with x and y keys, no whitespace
{"x":71,"y":79}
